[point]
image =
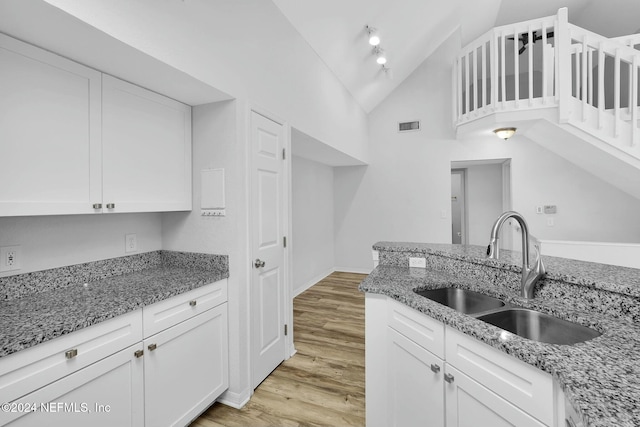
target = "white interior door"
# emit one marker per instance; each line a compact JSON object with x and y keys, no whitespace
{"x":267,"y":278}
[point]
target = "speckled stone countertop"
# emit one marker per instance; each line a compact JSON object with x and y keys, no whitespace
{"x":600,"y":377}
{"x":58,"y":304}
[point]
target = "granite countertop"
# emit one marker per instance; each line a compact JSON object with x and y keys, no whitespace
{"x":601,"y":377}
{"x":32,"y":319}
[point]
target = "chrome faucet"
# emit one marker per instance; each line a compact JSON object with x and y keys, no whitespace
{"x":530,"y":274}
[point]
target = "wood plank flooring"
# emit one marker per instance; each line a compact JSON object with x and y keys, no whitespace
{"x":323,"y":383}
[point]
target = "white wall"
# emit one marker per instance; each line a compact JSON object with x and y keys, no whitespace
{"x":56,"y":241}
{"x":404,"y":193}
{"x":484,"y":201}
{"x":312,"y":210}
{"x":246,"y":48}
{"x":219,"y":141}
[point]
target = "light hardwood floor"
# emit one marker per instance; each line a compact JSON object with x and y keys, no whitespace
{"x":323,"y":383}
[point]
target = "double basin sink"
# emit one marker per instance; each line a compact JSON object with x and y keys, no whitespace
{"x":523,"y":322}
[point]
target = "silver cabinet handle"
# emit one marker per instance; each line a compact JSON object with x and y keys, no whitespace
{"x":193,"y":303}
{"x":111,"y":205}
{"x":70,"y":354}
{"x":258,"y":263}
{"x":138,"y":354}
{"x":152,"y":347}
{"x":97,"y":206}
{"x":435,"y":368}
{"x":448,"y":378}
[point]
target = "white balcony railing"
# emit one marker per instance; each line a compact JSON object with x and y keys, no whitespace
{"x":547,"y":62}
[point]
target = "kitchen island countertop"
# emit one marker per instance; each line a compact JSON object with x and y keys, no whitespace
{"x":601,"y":377}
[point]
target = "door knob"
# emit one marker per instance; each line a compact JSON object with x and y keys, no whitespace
{"x":258,"y":263}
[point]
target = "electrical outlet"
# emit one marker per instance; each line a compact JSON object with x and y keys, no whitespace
{"x":418,"y":262}
{"x":130,"y":243}
{"x":10,"y":258}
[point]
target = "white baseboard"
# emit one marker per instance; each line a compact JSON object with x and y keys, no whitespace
{"x":235,"y":400}
{"x":354,"y":270}
{"x":310,"y":283}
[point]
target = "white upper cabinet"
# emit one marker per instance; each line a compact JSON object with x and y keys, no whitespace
{"x":146,"y":150}
{"x":49,"y":132}
{"x":76,"y":141}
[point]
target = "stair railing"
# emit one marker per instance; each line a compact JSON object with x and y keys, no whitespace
{"x":506,"y":68}
{"x":605,"y":81}
{"x":548,"y":62}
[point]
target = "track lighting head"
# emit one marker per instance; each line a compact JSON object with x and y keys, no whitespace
{"x":381,"y":58}
{"x":374,"y":38}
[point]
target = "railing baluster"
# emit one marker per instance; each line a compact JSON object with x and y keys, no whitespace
{"x":503,"y":79}
{"x":530,"y":71}
{"x":484,"y":75}
{"x":563,"y":61}
{"x":475,"y":80}
{"x":544,"y":64}
{"x":576,"y":77}
{"x":516,"y":68}
{"x":600,"y":85}
{"x":634,"y":100}
{"x":466,"y":75}
{"x":494,"y":70}
{"x":590,"y":76}
{"x":583,"y":78}
{"x":616,"y":95}
{"x":458,"y":84}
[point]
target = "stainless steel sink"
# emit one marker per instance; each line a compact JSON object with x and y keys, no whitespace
{"x":539,"y":326}
{"x":467,"y":302}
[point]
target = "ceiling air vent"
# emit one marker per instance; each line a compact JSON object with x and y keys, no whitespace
{"x":409,"y":126}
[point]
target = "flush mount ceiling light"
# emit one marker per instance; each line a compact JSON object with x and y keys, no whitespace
{"x":380,"y":56}
{"x":374,"y":38}
{"x":505,"y":133}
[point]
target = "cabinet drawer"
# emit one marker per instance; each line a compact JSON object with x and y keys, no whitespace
{"x":418,"y":327}
{"x":164,"y":314}
{"x":30,"y":369}
{"x":106,"y":393}
{"x":515,"y":381}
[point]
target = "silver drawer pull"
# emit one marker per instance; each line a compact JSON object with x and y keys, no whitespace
{"x":138,"y":353}
{"x":448,"y":378}
{"x":97,"y":206}
{"x":152,"y":347}
{"x":193,"y":303}
{"x":111,"y":205}
{"x":70,"y":354}
{"x":435,"y":368}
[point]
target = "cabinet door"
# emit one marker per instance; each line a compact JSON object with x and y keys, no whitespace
{"x":146,"y":150}
{"x":470,"y":404}
{"x":415,"y":384}
{"x":49,"y":133}
{"x":186,"y":368}
{"x":108,"y":393}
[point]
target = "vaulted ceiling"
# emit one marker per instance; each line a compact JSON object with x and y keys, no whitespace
{"x":412,"y":29}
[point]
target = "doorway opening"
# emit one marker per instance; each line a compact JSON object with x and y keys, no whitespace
{"x":480,"y":192}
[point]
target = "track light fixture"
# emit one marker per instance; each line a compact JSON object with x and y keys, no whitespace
{"x":374,"y":38}
{"x":380,"y":56}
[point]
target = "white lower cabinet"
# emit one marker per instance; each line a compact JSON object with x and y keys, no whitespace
{"x":185,"y":368}
{"x":469,"y":404}
{"x":104,"y":394}
{"x":474,"y":385}
{"x":415,"y":381}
